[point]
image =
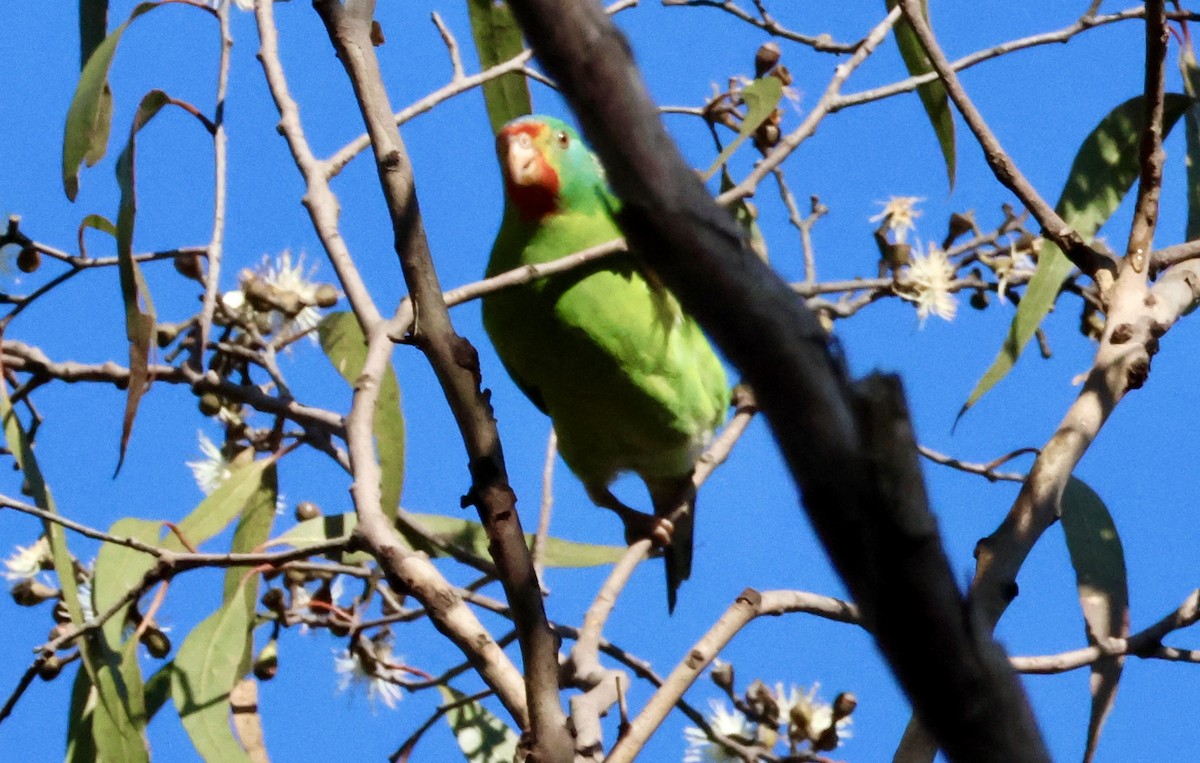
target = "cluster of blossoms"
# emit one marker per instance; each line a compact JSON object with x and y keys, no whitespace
{"x":925,"y":274}
{"x":765,"y":718}
{"x":278,"y":298}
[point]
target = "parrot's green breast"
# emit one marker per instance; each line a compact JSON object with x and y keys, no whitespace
{"x":628,"y":379}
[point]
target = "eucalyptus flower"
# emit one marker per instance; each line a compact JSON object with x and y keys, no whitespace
{"x":899,"y":214}
{"x":929,"y":279}
{"x":211,"y":470}
{"x":726,"y":722}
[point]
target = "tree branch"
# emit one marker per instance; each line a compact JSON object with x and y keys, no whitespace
{"x":1086,"y":258}
{"x":849,"y":449}
{"x":456,"y":366}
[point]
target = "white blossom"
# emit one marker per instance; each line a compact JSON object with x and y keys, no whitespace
{"x":287,"y":276}
{"x":899,"y":214}
{"x":818,"y":714}
{"x":929,"y":278}
{"x":26,"y":561}
{"x":1017,"y":263}
{"x":352,"y":672}
{"x":725,"y":722}
{"x":212,"y":470}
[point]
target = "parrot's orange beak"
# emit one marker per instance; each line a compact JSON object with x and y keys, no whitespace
{"x":522,"y":161}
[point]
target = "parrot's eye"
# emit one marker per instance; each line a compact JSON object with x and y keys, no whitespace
{"x":564,"y":140}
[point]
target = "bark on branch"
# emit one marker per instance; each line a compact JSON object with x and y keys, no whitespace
{"x":849,"y":449}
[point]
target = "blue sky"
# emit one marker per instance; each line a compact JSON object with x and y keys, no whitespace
{"x":750,"y":532}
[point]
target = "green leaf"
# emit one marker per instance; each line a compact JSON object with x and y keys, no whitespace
{"x":482,"y":737}
{"x":93,"y":27}
{"x":117,"y":728}
{"x":214,"y":513}
{"x":252,"y":531}
{"x":1100,"y":576}
{"x":448,"y":531}
{"x":139,"y":308}
{"x":343,"y":342}
{"x":89,"y":118}
{"x":1191,"y":128}
{"x":932,"y":94}
{"x":81,"y":747}
{"x":1102,"y":173}
{"x":498,"y":39}
{"x":119,"y":569}
{"x":761,"y":97}
{"x":158,"y":689}
{"x":207,"y":665}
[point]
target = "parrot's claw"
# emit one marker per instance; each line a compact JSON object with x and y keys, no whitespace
{"x":638,"y":525}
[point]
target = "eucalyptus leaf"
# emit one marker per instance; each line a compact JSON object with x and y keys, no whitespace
{"x":206,"y":667}
{"x":1103,"y":171}
{"x":1100,"y":576}
{"x":448,"y":531}
{"x":498,"y":39}
{"x":761,"y":97}
{"x":343,"y":342}
{"x":932,"y":94}
{"x":482,"y":737}
{"x":89,"y":118}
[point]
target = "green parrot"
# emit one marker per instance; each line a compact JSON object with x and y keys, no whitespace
{"x":628,"y":379}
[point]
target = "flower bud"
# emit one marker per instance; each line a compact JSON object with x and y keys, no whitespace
{"x":722,"y":676}
{"x":326,"y":295}
{"x":187,"y":264}
{"x":844,"y":705}
{"x":307,"y":510}
{"x":156,"y":642}
{"x":49,"y":670}
{"x":28,"y":259}
{"x":30,"y":592}
{"x":765,"y":59}
{"x":266,"y":665}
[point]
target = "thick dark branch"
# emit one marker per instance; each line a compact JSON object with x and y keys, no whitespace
{"x":849,"y":449}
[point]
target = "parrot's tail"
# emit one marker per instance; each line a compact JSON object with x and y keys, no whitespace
{"x":676,"y":501}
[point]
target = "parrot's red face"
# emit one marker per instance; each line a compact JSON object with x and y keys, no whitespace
{"x":530,"y":178}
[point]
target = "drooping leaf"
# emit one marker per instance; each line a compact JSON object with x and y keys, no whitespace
{"x":1102,"y":173}
{"x":93,"y":27}
{"x":81,"y":747}
{"x":215,"y":512}
{"x":117,"y":722}
{"x":95,"y":222}
{"x":139,"y":308}
{"x":85,"y":137}
{"x":932,"y":94}
{"x":1191,"y":127}
{"x":253,"y":529}
{"x":447,"y":531}
{"x":761,"y":97}
{"x":343,"y":342}
{"x":498,"y":39}
{"x":1100,"y":576}
{"x":482,"y":737}
{"x":206,"y":667}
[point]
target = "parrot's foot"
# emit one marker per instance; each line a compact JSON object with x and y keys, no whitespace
{"x":638,"y":525}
